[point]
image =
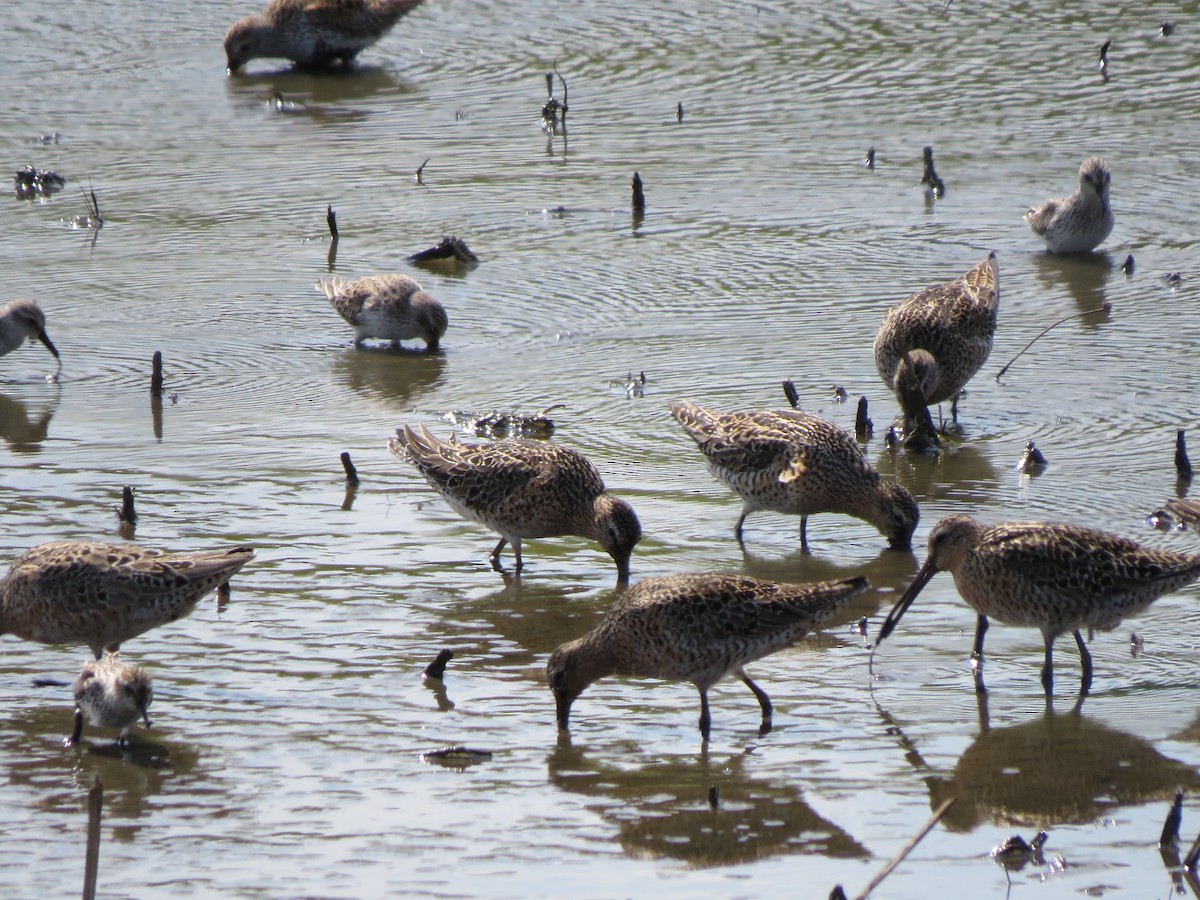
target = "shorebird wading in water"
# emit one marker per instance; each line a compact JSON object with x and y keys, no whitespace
{"x":21,"y":319}
{"x":1079,"y":223}
{"x":110,"y":693}
{"x":1056,"y":578}
{"x":390,"y":307}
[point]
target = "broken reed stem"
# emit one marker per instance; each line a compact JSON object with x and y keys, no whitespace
{"x":331,"y":221}
{"x":789,"y":391}
{"x":1105,"y":307}
{"x":564,"y":102}
{"x":127,"y":512}
{"x":437,"y":668}
{"x":1170,"y":830}
{"x":91,"y":865}
{"x":907,"y":849}
{"x":639,"y":196}
{"x":351,"y":472}
{"x":1183,"y":465}
{"x":156,"y":378}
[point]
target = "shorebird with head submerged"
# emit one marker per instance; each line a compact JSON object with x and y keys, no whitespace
{"x":697,"y":628}
{"x":100,"y":594}
{"x":1056,"y":578}
{"x":21,"y":319}
{"x":1079,"y":223}
{"x":314,"y":33}
{"x":522,"y":489}
{"x":110,"y":693}
{"x":391,"y":307}
{"x":932,"y":343}
{"x":790,"y":461}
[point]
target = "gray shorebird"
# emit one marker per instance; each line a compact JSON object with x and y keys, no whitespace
{"x":313,"y":33}
{"x":1077,"y":224}
{"x":697,"y":628}
{"x":100,"y":594}
{"x":789,"y":461}
{"x":1056,"y":578}
{"x":390,"y":307}
{"x":931,"y":344}
{"x":110,"y":693}
{"x":524,"y":489}
{"x":21,"y":319}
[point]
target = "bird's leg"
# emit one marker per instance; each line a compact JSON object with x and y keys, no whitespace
{"x":705,"y":718}
{"x":737,"y":529}
{"x":1048,"y":666}
{"x":494,"y":559}
{"x":77,"y":731}
{"x":954,"y":408}
{"x":1085,"y":660}
{"x":518,"y":565}
{"x":981,"y":627}
{"x":763,"y":700}
{"x":804,"y":534}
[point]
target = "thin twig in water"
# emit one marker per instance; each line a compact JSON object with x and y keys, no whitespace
{"x":907,"y":849}
{"x":1106,"y":307}
{"x":91,"y":865}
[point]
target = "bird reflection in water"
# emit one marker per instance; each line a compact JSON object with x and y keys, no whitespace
{"x":663,"y":810}
{"x":25,"y":426}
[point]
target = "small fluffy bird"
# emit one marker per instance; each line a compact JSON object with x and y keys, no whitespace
{"x":313,"y":33}
{"x":110,"y":693}
{"x":23,"y":319}
{"x":1077,"y":224}
{"x":390,"y":307}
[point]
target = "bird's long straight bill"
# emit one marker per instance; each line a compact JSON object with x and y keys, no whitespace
{"x":906,"y":600}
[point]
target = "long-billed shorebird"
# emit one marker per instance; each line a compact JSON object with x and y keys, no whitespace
{"x":110,"y":693}
{"x":790,"y":461}
{"x":1055,"y":578}
{"x":931,"y":344}
{"x":697,"y":628}
{"x":391,"y":307}
{"x":524,"y":489}
{"x":100,"y":594}
{"x":21,"y":319}
{"x":1077,"y":224}
{"x":316,"y":33}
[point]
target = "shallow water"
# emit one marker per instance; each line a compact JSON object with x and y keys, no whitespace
{"x":284,"y":759}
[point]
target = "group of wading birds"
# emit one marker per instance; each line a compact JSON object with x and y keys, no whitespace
{"x":697,"y":628}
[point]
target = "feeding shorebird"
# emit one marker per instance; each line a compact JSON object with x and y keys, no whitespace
{"x":1077,"y":224}
{"x":521,"y":489}
{"x":21,"y":319}
{"x":100,"y":594}
{"x":931,"y":344}
{"x":696,"y":628}
{"x":315,"y":33}
{"x":790,"y":461}
{"x":390,"y":307}
{"x":110,"y":693}
{"x":1056,"y":578}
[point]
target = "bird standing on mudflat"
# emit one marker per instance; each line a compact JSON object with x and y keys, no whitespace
{"x":1056,"y":578}
{"x":101,"y":594}
{"x":110,"y":693}
{"x":524,"y":489}
{"x":21,"y":319}
{"x":931,"y":344}
{"x":390,"y":307}
{"x":697,"y":628}
{"x":790,"y":461}
{"x":1077,"y":224}
{"x":314,"y":33}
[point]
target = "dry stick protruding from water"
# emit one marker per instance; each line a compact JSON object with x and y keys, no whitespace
{"x":789,"y":391}
{"x":420,"y":173}
{"x":156,"y":376}
{"x":863,"y":426}
{"x":907,"y":849}
{"x":1189,"y":861}
{"x":91,"y":865}
{"x":679,"y":112}
{"x":351,"y":472}
{"x":1103,"y":308}
{"x":437,"y":668}
{"x":1170,"y":830}
{"x":639,"y":196}
{"x":1183,"y":465}
{"x":331,"y":221}
{"x":126,"y":512}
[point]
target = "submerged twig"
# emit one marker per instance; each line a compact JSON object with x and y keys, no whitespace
{"x":907,"y":849}
{"x":1103,"y":308}
{"x":91,"y":865}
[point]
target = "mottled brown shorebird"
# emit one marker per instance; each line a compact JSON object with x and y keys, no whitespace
{"x":793,"y":462}
{"x":1055,"y":578}
{"x":931,"y":344}
{"x":314,"y":33}
{"x":21,"y":319}
{"x":99,"y":594}
{"x":696,"y":628}
{"x":391,"y":307}
{"x":1077,"y":224}
{"x":110,"y":693}
{"x":523,"y":489}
